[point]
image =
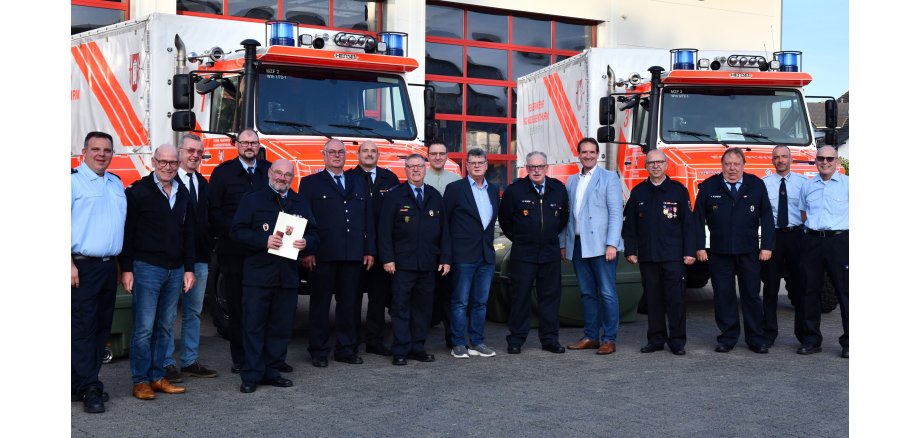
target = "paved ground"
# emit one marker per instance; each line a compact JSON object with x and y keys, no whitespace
{"x":533,"y":394}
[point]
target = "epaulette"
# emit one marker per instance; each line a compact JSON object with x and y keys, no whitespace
{"x":73,"y":171}
{"x":115,"y":175}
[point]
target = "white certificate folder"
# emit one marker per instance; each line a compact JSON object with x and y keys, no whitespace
{"x":290,"y":228}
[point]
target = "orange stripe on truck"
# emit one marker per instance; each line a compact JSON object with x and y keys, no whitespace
{"x":559,"y":111}
{"x":133,"y":121}
{"x":101,"y":96}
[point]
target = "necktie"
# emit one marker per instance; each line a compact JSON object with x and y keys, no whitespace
{"x":782,"y":212}
{"x":338,"y":181}
{"x":734,"y":190}
{"x":418,"y":196}
{"x":373,"y":176}
{"x":250,"y":169}
{"x":191,"y":188}
{"x":540,"y":189}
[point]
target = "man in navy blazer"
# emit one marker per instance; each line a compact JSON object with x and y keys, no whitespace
{"x":345,"y":219}
{"x":591,"y":241}
{"x":734,"y":204}
{"x":472,"y":208}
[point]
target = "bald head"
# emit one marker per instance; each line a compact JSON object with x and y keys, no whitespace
{"x":165,"y":162}
{"x":368,"y":155}
{"x":826,"y":162}
{"x":656,"y":163}
{"x":280,"y":175}
{"x":334,"y":155}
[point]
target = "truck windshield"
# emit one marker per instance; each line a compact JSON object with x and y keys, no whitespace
{"x":298,"y":101}
{"x":757,"y":116}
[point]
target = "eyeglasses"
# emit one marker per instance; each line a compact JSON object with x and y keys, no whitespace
{"x":334,"y":152}
{"x":282,"y":174}
{"x":415,"y":166}
{"x":656,"y":163}
{"x":191,"y":151}
{"x":249,"y":144}
{"x":162,"y":163}
{"x":536,"y":167}
{"x":475,"y":163}
{"x":820,"y":158}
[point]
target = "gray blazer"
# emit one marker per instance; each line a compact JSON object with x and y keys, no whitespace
{"x":601,"y":220}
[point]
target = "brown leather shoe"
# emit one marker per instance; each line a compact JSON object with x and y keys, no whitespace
{"x":143,"y":391}
{"x":163,"y":385}
{"x":583,"y":344}
{"x":607,"y":347}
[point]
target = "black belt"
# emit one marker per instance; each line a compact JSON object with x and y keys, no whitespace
{"x":825,"y":233}
{"x":95,"y":259}
{"x":789,"y":229}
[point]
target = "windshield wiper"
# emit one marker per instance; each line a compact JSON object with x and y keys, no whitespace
{"x":754,"y":136}
{"x":698,"y":135}
{"x":362,"y":128}
{"x":299,"y":126}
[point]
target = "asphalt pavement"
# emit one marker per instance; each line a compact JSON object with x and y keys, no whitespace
{"x":536,"y":393}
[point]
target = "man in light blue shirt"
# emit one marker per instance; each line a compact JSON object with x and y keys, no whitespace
{"x":825,"y":208}
{"x":783,"y":188}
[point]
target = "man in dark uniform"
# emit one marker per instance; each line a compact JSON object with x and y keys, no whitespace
{"x":783,"y":187}
{"x":414,"y":246}
{"x":659,"y":228}
{"x":270,"y":281}
{"x":345,"y":219}
{"x":733,"y":204}
{"x":825,"y":204}
{"x":229,"y":182}
{"x":97,"y":223}
{"x":532,"y":213}
{"x":375,"y":281}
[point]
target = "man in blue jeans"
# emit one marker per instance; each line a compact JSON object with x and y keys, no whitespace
{"x":157,"y":261}
{"x":591,"y":241}
{"x":472,"y":208}
{"x":190,"y":152}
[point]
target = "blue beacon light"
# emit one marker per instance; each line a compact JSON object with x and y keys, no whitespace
{"x":281,"y":33}
{"x":789,"y":61}
{"x":683,"y":59}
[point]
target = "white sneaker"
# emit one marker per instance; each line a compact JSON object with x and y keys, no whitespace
{"x":482,"y":350}
{"x":459,"y":352}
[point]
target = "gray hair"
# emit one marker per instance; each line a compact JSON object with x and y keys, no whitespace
{"x":189,"y":136}
{"x":534,"y":153}
{"x":419,"y":156}
{"x":475,"y":152}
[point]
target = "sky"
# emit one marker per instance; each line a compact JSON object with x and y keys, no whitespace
{"x":820,"y":30}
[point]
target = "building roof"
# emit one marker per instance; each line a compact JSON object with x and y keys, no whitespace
{"x":816,"y":111}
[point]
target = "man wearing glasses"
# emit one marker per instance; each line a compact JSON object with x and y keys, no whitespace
{"x":658,"y":234}
{"x":158,"y":260}
{"x":734,"y":204}
{"x":190,"y":152}
{"x":825,"y":204}
{"x":472,"y":208}
{"x":533,"y":211}
{"x":345,"y":218}
{"x":229,"y":182}
{"x":414,"y":247}
{"x":270,"y":282}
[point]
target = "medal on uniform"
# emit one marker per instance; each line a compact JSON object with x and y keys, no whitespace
{"x":431,"y":213}
{"x":526,"y":212}
{"x":752,"y":209}
{"x":406,"y":218}
{"x":715,"y":207}
{"x":265,"y":227}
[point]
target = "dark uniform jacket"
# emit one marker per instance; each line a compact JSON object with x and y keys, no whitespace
{"x":345,"y":221}
{"x":416,"y":238}
{"x":384,"y":182}
{"x":229,"y":182}
{"x":254,"y":222}
{"x":469,"y":243}
{"x":733,"y":222}
{"x":659,"y":225}
{"x":154,"y":232}
{"x":203,"y":241}
{"x":534,"y":223}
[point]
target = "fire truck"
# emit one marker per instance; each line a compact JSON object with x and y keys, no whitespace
{"x":705,"y":103}
{"x":149,"y":80}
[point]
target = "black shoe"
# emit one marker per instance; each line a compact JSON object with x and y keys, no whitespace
{"x":421,"y":357}
{"x":679,"y":351}
{"x":198,"y":370}
{"x":552,"y":348}
{"x":651,"y":348}
{"x":320,"y":362}
{"x":808,"y":349}
{"x":378,"y":349}
{"x":353,"y":360}
{"x":845,"y":353}
{"x":93,"y":401}
{"x":759,"y":349}
{"x":399,"y":361}
{"x":285,"y":368}
{"x":722,"y":348}
{"x":247,"y":388}
{"x":514,"y":349}
{"x":172,"y":374}
{"x":75,"y":398}
{"x":235,"y":369}
{"x":279,"y":382}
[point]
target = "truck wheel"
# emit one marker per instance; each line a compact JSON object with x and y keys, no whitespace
{"x":216,"y":300}
{"x":107,"y":355}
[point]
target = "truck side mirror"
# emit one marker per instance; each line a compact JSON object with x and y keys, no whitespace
{"x":607,"y":111}
{"x":431,"y":100}
{"x":183,"y":121}
{"x":182,"y":96}
{"x":830,"y":113}
{"x":830,"y":138}
{"x":606,"y":134}
{"x":431,"y":131}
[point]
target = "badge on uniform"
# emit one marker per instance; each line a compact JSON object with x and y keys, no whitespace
{"x":670,"y":210}
{"x":265,"y":227}
{"x":526,"y":212}
{"x":406,"y":218}
{"x":431,"y":213}
{"x":752,"y":209}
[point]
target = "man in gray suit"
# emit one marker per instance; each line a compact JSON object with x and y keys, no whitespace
{"x":591,"y":241}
